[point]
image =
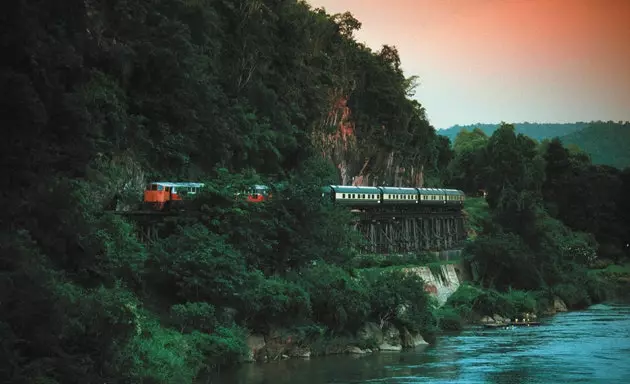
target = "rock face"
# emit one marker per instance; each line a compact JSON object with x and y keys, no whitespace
{"x":370,"y":333}
{"x":411,"y":341}
{"x":361,"y":163}
{"x":256,"y":344}
{"x":441,"y":286}
{"x":391,"y":339}
{"x":559,"y":305}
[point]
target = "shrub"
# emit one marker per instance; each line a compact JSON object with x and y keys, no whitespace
{"x":448,"y":319}
{"x":399,"y":297}
{"x":338,"y":300}
{"x":194,"y":316}
{"x":574,"y":296}
{"x":274,"y":301}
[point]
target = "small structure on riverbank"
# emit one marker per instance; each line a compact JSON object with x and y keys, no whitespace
{"x":512,"y":324}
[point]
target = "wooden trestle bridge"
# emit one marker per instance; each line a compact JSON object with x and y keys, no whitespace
{"x":411,"y":231}
{"x":398,"y":232}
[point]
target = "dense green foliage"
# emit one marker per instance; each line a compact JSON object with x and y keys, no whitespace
{"x":100,"y":97}
{"x":552,"y":214}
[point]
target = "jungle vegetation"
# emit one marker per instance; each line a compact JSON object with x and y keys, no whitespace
{"x":552,"y":217}
{"x":99,"y":97}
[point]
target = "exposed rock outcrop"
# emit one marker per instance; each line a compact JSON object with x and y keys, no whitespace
{"x":256,"y":345}
{"x":441,"y":286}
{"x":370,"y":333}
{"x":360,"y":163}
{"x":409,"y":340}
{"x":559,"y":305}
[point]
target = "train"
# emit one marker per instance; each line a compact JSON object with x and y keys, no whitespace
{"x":166,"y":195}
{"x":394,"y":197}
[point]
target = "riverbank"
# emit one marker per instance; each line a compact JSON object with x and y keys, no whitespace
{"x":587,"y":345}
{"x":468,"y":305}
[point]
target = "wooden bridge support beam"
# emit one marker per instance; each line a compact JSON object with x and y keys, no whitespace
{"x":412,"y":234}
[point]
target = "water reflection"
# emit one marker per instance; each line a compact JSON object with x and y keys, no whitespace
{"x":590,"y":346}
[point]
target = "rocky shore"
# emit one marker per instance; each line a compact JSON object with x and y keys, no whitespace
{"x":276,"y":345}
{"x":369,"y":338}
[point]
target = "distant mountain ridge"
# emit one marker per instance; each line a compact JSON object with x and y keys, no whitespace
{"x":538,"y":131}
{"x":607,"y":143}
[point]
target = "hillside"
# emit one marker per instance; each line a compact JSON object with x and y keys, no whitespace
{"x":606,"y":143}
{"x":538,"y":131}
{"x":100,"y":98}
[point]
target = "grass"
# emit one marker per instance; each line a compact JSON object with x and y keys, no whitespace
{"x":477,"y":212}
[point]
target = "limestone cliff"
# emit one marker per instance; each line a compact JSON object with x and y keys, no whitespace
{"x":359,"y":159}
{"x":440,"y":285}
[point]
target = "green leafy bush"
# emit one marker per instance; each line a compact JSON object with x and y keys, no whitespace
{"x":448,"y":319}
{"x":338,"y":300}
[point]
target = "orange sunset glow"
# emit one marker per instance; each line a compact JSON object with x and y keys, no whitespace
{"x":506,"y":60}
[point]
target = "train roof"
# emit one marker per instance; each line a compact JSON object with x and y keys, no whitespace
{"x":391,"y":190}
{"x":353,"y":189}
{"x":440,"y":191}
{"x":399,"y":190}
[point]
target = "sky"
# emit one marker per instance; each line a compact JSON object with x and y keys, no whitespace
{"x":487,"y":61}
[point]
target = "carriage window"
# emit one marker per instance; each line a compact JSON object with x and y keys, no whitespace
{"x":160,"y":188}
{"x":343,"y":195}
{"x":168,"y":189}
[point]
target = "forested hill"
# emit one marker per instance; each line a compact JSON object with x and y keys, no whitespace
{"x":606,"y":143}
{"x":100,"y":97}
{"x":538,"y":131}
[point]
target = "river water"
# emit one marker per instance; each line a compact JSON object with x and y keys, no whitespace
{"x":591,"y":346}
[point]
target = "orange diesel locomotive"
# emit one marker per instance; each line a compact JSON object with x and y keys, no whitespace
{"x":160,"y":195}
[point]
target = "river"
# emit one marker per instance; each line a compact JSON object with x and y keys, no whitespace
{"x":590,"y":346}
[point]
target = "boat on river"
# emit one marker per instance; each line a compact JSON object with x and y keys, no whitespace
{"x":512,"y":324}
